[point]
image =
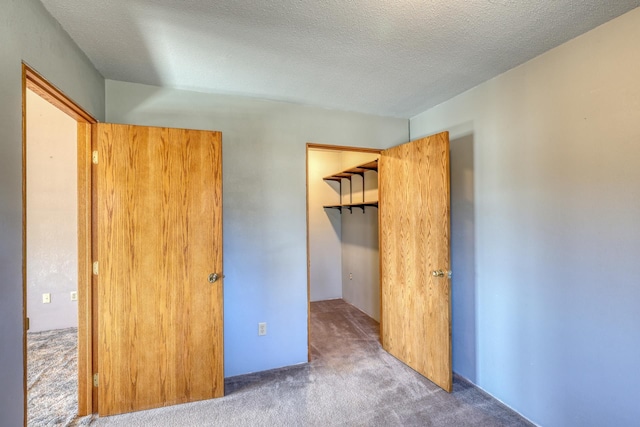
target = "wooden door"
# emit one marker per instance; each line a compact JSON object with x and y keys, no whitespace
{"x":159,"y":231}
{"x":414,"y":243}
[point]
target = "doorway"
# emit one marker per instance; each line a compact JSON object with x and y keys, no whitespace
{"x":343,"y":257}
{"x":186,"y":179}
{"x":414,"y":249}
{"x":56,"y":240}
{"x":52,"y":262}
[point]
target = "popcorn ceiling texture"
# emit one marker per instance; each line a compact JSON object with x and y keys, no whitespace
{"x":392,"y":58}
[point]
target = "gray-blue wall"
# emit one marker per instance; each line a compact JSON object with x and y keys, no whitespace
{"x":27,"y":33}
{"x":546,"y":247}
{"x":264,"y":203}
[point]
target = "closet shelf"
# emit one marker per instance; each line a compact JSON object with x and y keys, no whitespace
{"x":356,"y":170}
{"x":359,"y":170}
{"x":350,"y":206}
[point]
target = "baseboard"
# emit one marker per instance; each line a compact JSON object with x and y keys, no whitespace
{"x":467,"y":380}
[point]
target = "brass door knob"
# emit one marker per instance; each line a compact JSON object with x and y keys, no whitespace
{"x":213,"y":277}
{"x":440,"y":273}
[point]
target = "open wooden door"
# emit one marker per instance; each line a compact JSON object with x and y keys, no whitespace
{"x":159,"y":231}
{"x":414,"y":256}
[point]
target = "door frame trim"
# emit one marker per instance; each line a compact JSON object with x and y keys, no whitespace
{"x":34,"y":81}
{"x":311,"y":146}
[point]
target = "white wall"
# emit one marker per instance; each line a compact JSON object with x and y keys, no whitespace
{"x":264,"y":191}
{"x":52,"y":215}
{"x":360,"y":255}
{"x":556,"y":149}
{"x":27,"y":33}
{"x":325,"y":247}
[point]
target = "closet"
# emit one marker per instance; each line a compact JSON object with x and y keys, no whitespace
{"x":343,"y":228}
{"x":379,"y":237}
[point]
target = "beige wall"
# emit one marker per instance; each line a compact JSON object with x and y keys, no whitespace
{"x":556,"y":175}
{"x":52,"y":215}
{"x":325,"y":248}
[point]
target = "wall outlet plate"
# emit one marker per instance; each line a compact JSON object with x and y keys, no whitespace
{"x":46,"y":298}
{"x":74,"y":295}
{"x":262,"y":328}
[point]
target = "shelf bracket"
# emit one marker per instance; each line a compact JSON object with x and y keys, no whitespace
{"x":339,"y":208}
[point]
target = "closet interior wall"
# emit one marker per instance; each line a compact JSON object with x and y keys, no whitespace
{"x":343,"y":248}
{"x":360,"y":255}
{"x":325,"y":227}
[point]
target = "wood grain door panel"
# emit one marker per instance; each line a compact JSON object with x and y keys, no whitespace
{"x":414,"y":241}
{"x":160,"y":331}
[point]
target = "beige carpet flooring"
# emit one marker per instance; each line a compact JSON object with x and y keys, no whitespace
{"x":350,"y":381}
{"x":52,"y":378}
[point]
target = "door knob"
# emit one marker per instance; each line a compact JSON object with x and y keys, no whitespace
{"x":440,"y":273}
{"x":213,"y":277}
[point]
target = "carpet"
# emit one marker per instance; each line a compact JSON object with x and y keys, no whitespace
{"x":52,"y":378}
{"x":350,"y":381}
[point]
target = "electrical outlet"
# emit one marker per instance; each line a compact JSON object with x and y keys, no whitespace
{"x":74,"y":296}
{"x":46,"y":298}
{"x":350,"y":276}
{"x":262,"y":328}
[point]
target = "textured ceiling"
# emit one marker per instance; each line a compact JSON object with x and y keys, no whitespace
{"x":386,"y":57}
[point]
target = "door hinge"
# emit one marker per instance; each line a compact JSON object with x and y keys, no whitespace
{"x":95,"y":379}
{"x":26,"y":323}
{"x":94,"y":157}
{"x":95,"y":268}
